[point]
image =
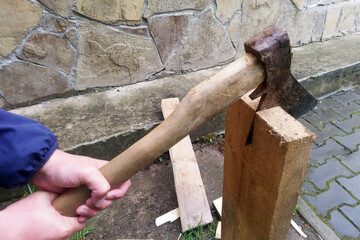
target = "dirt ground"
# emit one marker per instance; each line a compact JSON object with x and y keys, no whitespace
{"x":152,"y":194}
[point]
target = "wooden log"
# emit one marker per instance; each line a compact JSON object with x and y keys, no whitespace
{"x":262,"y":180}
{"x":193,"y":204}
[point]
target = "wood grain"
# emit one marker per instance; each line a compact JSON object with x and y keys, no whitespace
{"x":191,"y":196}
{"x":262,"y":180}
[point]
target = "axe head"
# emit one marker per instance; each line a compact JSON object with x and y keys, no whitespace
{"x":280,"y":88}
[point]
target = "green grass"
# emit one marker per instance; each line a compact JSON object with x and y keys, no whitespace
{"x":201,"y":232}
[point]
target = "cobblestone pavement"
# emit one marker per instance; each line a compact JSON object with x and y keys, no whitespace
{"x":332,"y":185}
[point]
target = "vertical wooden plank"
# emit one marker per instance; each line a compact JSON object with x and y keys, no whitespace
{"x":262,"y":180}
{"x":193,"y":204}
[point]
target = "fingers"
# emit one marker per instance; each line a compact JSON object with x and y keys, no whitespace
{"x":119,"y":192}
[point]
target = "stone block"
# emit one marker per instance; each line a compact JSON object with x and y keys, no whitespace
{"x":352,"y":213}
{"x":342,"y":226}
{"x":332,"y":20}
{"x":49,"y":50}
{"x":348,"y":15}
{"x":234,"y":29}
{"x":23,"y":83}
{"x":351,"y":141}
{"x":63,"y":7}
{"x":345,"y":97}
{"x":160,"y":6}
{"x":349,"y":124}
{"x":225,"y":9}
{"x":327,"y":131}
{"x":328,"y":102}
{"x":308,"y":188}
{"x":352,"y":185}
{"x":113,"y":12}
{"x":111,"y":58}
{"x":329,"y":199}
{"x":330,"y":149}
{"x":319,"y":176}
{"x":352,"y":161}
{"x":204,"y":45}
{"x":24,"y":16}
{"x":168,"y":31}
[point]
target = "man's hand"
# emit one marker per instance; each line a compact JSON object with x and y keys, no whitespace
{"x":35,"y":218}
{"x":64,"y":170}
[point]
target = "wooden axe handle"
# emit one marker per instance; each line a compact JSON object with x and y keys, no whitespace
{"x":200,"y":104}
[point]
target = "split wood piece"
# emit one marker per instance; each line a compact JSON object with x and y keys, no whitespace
{"x":218,"y":205}
{"x":262,"y":180}
{"x":167,"y":217}
{"x":218,"y":231}
{"x":193,"y":204}
{"x":298,"y":229}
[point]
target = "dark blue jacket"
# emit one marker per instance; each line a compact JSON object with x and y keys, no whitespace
{"x":25,"y":146}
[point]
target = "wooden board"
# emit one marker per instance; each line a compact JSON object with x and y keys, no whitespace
{"x":193,"y":204}
{"x":262,"y":180}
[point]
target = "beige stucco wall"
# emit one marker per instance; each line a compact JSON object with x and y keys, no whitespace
{"x":51,"y":49}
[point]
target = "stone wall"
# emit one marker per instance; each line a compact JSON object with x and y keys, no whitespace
{"x":51,"y":49}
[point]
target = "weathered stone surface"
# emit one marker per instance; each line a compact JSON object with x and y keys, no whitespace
{"x":71,"y":35}
{"x":23,"y":83}
{"x":109,"y":58}
{"x":49,"y":50}
{"x":357,"y":20}
{"x":138,"y":30}
{"x":159,"y":6}
{"x":351,"y":184}
{"x":332,"y":19}
{"x":353,"y":214}
{"x":17,"y":17}
{"x":303,"y":26}
{"x":103,"y":124}
{"x":342,"y":226}
{"x":234,"y":29}
{"x":352,"y":161}
{"x":63,"y":7}
{"x":348,"y":15}
{"x":226,"y":9}
{"x":258,"y":15}
{"x":168,"y":31}
{"x":350,"y":141}
{"x":112,"y":11}
{"x":57,"y":25}
{"x":214,"y":48}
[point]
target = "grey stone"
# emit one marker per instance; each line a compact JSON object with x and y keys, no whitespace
{"x":24,"y":83}
{"x":234,"y":29}
{"x":159,"y":6}
{"x":110,"y":58}
{"x":329,"y":199}
{"x":258,"y":15}
{"x":330,"y":149}
{"x":308,"y":188}
{"x":342,"y":226}
{"x":168,"y":31}
{"x":323,"y":117}
{"x":332,"y":20}
{"x":326,"y":172}
{"x":327,"y":131}
{"x":63,"y":8}
{"x":352,"y":161}
{"x":345,"y":97}
{"x":348,"y":125}
{"x":351,"y":141}
{"x":348,"y":15}
{"x":352,"y":185}
{"x":351,"y":109}
{"x":104,"y":121}
{"x":303,"y":26}
{"x":328,"y":103}
{"x":24,"y":16}
{"x":215,"y":47}
{"x":225,"y":9}
{"x":352,"y":213}
{"x":49,"y":50}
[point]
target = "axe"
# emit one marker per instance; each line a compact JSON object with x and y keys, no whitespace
{"x":265,"y":66}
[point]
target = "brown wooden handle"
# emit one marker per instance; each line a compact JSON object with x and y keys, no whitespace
{"x":201,"y":103}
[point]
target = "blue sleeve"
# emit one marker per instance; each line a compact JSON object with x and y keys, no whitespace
{"x":25,"y":146}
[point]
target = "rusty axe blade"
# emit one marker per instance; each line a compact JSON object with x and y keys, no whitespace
{"x":280,"y":88}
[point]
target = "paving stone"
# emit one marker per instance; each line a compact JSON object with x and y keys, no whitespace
{"x":352,"y":161}
{"x":349,"y":110}
{"x":308,"y":125}
{"x":351,"y":140}
{"x":323,"y":117}
{"x":345,"y":97}
{"x":320,"y":175}
{"x":326,"y":132}
{"x":352,"y":185}
{"x":347,"y":125}
{"x":328,"y":103}
{"x":352,"y":213}
{"x":308,"y":188}
{"x":331,"y":148}
{"x":342,"y":226}
{"x":329,"y":199}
